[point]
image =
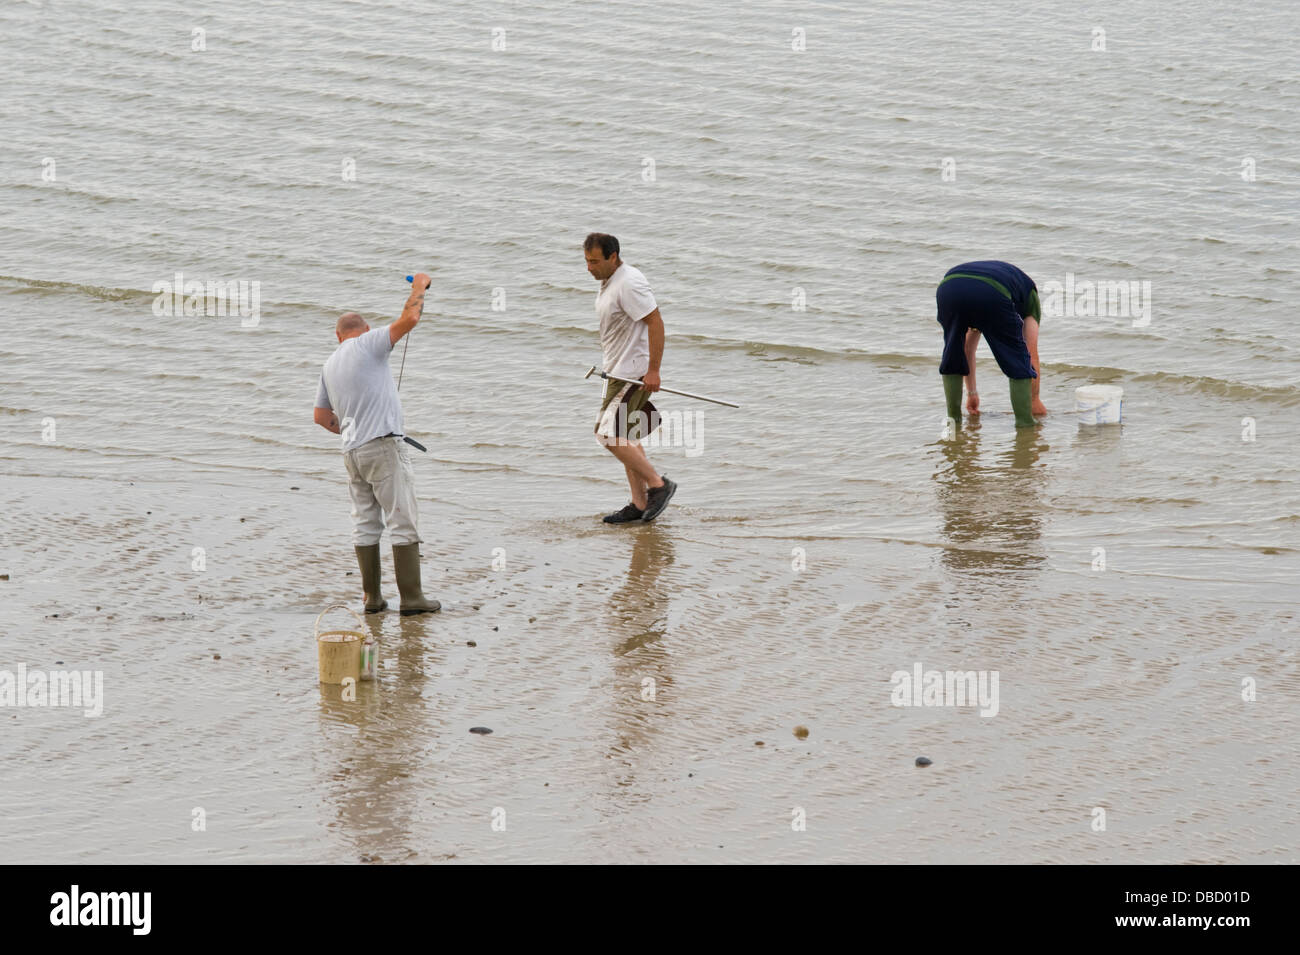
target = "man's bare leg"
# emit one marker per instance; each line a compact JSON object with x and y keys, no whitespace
{"x":641,"y":474}
{"x":635,"y":482}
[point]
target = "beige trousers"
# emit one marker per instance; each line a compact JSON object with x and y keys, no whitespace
{"x":382,"y":486}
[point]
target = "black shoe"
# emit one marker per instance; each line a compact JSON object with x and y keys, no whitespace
{"x":629,"y":514}
{"x":657,"y":499}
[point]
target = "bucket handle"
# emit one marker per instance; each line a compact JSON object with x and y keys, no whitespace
{"x":360,"y":623}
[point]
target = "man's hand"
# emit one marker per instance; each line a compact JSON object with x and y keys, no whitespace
{"x":972,"y":402}
{"x":651,"y":380}
{"x":420,"y":281}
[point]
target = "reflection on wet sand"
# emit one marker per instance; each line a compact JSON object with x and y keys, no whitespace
{"x":637,"y":616}
{"x":367,"y":772}
{"x":992,"y":512}
{"x":640,"y":604}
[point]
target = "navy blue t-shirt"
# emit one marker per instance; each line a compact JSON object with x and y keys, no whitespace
{"x":1018,"y":286}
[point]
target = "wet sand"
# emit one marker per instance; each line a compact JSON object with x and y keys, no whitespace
{"x":741,"y":649}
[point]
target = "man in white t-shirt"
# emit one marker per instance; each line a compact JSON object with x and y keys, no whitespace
{"x":632,"y":339}
{"x":356,"y":399}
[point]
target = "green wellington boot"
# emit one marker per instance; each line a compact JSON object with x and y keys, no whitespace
{"x":406,"y":561}
{"x":368,"y":561}
{"x":952,"y":397}
{"x":1021,"y":400}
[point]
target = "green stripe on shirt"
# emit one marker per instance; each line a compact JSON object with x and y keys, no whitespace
{"x":983,"y":278}
{"x":1032,"y":303}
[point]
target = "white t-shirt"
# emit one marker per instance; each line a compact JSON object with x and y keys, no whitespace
{"x":622,"y":304}
{"x":357,"y":385}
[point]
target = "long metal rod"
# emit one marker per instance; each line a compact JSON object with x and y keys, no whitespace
{"x":685,"y":394}
{"x":406,"y":344}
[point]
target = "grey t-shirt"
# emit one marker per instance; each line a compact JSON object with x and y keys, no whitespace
{"x":357,"y":385}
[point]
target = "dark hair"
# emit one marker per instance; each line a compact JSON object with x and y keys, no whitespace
{"x":608,"y":244}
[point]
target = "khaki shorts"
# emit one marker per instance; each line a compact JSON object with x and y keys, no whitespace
{"x":626,"y":412}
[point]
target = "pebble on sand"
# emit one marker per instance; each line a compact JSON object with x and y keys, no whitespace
{"x":481,"y":730}
{"x":923,"y":761}
{"x":801,"y":732}
{"x":758,"y":742}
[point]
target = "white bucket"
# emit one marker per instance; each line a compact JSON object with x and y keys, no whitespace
{"x":1099,"y":404}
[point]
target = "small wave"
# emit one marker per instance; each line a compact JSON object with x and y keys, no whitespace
{"x":62,"y":190}
{"x":107,"y":294}
{"x":767,"y":351}
{"x":1202,"y":384}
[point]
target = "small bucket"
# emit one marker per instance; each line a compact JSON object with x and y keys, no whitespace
{"x":1099,"y":404}
{"x":338,"y":652}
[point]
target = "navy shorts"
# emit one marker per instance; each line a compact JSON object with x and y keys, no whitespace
{"x":969,"y":303}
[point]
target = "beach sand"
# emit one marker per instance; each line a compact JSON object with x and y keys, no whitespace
{"x":580,"y":765}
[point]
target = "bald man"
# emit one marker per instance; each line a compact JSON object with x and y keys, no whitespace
{"x":357,"y":400}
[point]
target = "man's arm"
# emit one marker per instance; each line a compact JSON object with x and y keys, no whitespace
{"x":412,"y":311}
{"x":327,"y":419}
{"x":654,"y":321}
{"x":972,"y":395}
{"x":1031,"y":340}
